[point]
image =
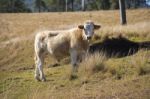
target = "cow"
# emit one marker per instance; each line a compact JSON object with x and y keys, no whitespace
{"x":58,"y":44}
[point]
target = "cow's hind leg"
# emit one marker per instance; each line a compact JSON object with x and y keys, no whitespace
{"x":39,"y":68}
{"x":37,"y":74}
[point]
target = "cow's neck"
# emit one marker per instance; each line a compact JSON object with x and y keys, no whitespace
{"x":82,"y":41}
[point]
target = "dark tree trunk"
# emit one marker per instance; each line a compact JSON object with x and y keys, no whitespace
{"x":12,"y":6}
{"x":122,"y":12}
{"x":39,"y":6}
{"x":72,"y":2}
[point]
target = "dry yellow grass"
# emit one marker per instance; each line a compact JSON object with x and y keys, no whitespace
{"x":137,"y":30}
{"x":135,"y":65}
{"x":14,"y":25}
{"x":123,"y":78}
{"x":92,"y":64}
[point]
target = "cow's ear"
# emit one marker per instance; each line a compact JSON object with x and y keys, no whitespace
{"x":97,"y":27}
{"x":80,"y":26}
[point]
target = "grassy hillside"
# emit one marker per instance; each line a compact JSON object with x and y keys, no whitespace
{"x":99,"y":77}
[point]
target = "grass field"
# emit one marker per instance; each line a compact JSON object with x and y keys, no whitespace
{"x":99,"y":77}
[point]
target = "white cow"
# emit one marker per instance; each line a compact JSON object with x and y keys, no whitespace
{"x":62,"y":43}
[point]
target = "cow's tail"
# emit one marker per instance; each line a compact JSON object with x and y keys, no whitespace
{"x":35,"y":57}
{"x":36,"y":47}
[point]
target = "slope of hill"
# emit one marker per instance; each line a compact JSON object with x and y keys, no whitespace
{"x":99,"y":76}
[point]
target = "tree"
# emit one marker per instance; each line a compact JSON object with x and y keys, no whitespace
{"x":98,"y":5}
{"x":19,"y":6}
{"x":83,"y":5}
{"x":136,"y":3}
{"x":38,"y":5}
{"x":66,"y":3}
{"x":114,"y":4}
{"x":72,"y":2}
{"x":13,"y":6}
{"x":41,"y":5}
{"x":104,"y":4}
{"x":55,"y":5}
{"x":61,"y":5}
{"x":5,"y":5}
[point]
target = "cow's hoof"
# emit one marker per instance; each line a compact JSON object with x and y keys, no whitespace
{"x":37,"y":78}
{"x":43,"y":79}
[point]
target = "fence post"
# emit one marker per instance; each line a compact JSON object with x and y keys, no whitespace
{"x":122,"y":12}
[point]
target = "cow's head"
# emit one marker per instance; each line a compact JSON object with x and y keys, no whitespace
{"x":88,"y":29}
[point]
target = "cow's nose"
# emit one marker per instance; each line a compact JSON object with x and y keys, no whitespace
{"x":89,"y":37}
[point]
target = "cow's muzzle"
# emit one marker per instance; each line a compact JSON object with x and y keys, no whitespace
{"x":89,"y":38}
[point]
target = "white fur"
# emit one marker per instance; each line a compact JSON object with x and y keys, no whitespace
{"x":60,"y":44}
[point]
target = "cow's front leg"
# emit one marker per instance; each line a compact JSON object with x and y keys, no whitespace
{"x":73,"y":54}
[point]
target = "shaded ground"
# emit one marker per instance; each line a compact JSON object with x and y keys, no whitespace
{"x":118,"y":47}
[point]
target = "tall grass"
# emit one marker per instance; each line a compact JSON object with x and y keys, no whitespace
{"x":141,"y":62}
{"x":92,"y":63}
{"x":135,"y":65}
{"x":130,"y":66}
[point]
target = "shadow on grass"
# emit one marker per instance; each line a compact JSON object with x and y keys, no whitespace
{"x":118,"y":47}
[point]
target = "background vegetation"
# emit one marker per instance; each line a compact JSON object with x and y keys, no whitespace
{"x":72,"y":5}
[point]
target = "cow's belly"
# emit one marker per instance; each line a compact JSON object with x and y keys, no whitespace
{"x":59,"y":49}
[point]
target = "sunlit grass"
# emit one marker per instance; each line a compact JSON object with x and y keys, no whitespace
{"x":98,"y":77}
